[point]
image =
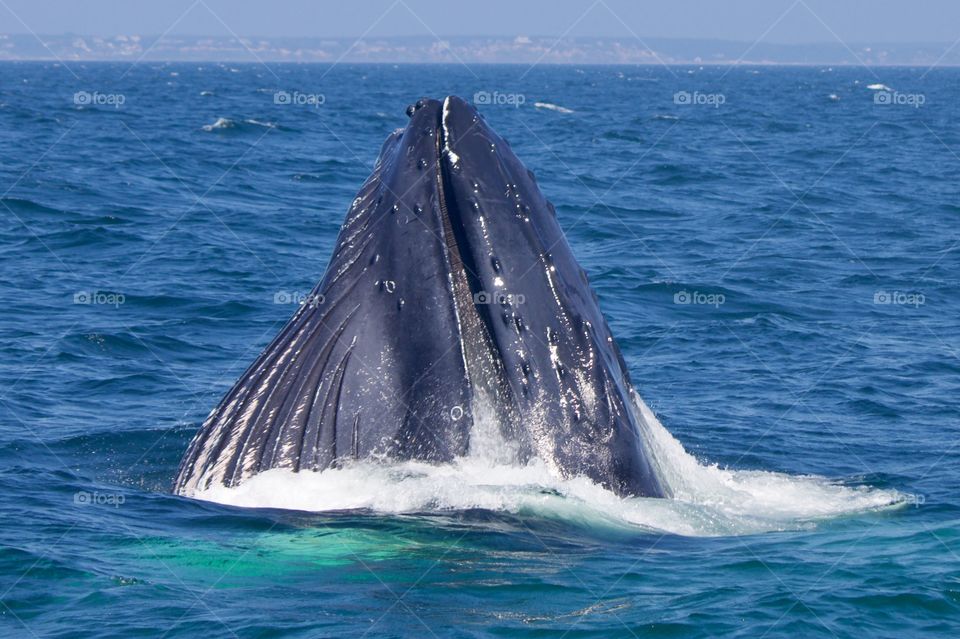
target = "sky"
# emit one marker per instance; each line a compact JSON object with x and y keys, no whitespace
{"x":772,"y":21}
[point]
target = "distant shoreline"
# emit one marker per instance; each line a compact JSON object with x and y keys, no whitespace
{"x":405,"y":63}
{"x":471,"y":50}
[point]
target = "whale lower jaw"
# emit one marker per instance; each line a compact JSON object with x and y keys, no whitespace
{"x":452,"y":320}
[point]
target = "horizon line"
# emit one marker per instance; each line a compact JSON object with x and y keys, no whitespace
{"x":516,"y":37}
{"x":247,"y":61}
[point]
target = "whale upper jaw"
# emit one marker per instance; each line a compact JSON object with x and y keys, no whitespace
{"x":452,"y":293}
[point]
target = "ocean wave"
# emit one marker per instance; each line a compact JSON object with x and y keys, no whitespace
{"x":220,"y":124}
{"x":261,"y":123}
{"x":621,"y":135}
{"x":226,"y":124}
{"x":552,"y":107}
{"x":21,"y":205}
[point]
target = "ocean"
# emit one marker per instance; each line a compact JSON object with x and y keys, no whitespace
{"x":776,"y":250}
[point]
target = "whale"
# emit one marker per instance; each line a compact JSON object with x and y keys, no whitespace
{"x":452,"y":320}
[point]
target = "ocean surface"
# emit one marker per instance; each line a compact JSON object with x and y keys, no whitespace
{"x":776,"y":250}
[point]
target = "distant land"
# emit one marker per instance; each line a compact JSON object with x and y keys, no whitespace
{"x":521,"y":50}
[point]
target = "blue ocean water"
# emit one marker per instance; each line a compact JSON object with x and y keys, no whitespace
{"x":776,"y":250}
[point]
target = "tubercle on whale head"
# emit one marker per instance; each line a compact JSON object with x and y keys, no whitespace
{"x":419,"y":104}
{"x":506,"y":231}
{"x":454,"y":126}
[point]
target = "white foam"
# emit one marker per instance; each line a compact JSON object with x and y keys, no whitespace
{"x":704,"y":500}
{"x":221,"y":123}
{"x":879,"y":87}
{"x":552,"y":107}
{"x":227,"y":123}
{"x":268,"y":125}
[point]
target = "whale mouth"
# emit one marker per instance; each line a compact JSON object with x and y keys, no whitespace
{"x":482,"y":357}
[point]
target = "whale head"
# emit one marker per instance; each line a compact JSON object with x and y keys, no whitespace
{"x":452,"y":320}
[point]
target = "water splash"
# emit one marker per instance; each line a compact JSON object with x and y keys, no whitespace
{"x":705,"y":500}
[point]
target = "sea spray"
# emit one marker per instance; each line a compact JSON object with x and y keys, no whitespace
{"x":705,"y":500}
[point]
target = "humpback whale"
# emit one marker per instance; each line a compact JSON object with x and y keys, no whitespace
{"x":452,"y":303}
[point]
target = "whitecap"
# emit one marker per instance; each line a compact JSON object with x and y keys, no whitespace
{"x":226,"y":123}
{"x":879,"y":87}
{"x":220,"y":124}
{"x":268,"y":125}
{"x":552,"y":107}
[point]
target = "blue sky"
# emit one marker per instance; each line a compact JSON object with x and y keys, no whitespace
{"x":773,"y":21}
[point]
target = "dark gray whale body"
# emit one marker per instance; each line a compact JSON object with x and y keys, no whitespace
{"x":452,"y":297}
